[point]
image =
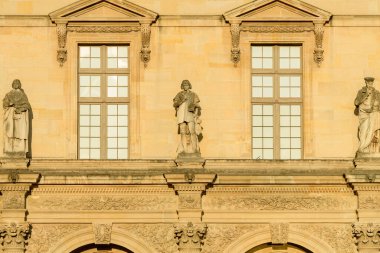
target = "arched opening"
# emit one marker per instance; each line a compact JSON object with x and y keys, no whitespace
{"x":273,"y":248}
{"x":92,"y":248}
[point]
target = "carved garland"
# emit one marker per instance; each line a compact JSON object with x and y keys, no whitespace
{"x":318,"y":31}
{"x":62,"y":30}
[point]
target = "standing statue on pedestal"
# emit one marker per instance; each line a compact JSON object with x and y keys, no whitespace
{"x":367,"y":103}
{"x":16,"y":121}
{"x":186,"y":104}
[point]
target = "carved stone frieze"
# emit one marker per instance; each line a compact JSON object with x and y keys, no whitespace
{"x":275,"y":202}
{"x":369,"y":202}
{"x":45,"y":236}
{"x":14,"y":236}
{"x":62,"y":37}
{"x":14,"y":200}
{"x":158,"y":236}
{"x":219,"y":236}
{"x":338,"y":236}
{"x":189,"y":201}
{"x":279,"y":233}
{"x":367,"y":235}
{"x":277,"y":29}
{"x":189,"y":237}
{"x":102,"y":232}
{"x":102,"y":203}
{"x":103,"y":29}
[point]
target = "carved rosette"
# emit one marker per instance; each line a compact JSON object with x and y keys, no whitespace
{"x":102,"y":232}
{"x":318,"y":51}
{"x":366,"y":235}
{"x":190,"y":237}
{"x":145,"y":41}
{"x":279,"y":233}
{"x":62,"y":36}
{"x":235,"y":36}
{"x":14,"y":236}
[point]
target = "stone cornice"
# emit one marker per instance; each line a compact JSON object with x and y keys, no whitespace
{"x":280,"y":189}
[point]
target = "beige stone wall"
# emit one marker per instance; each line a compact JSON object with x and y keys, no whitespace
{"x":198,"y":49}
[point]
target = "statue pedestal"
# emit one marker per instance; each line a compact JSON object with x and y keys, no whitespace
{"x":360,"y":155}
{"x":190,"y":161}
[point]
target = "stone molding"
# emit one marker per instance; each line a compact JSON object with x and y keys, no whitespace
{"x":366,"y":235}
{"x":279,"y":233}
{"x":136,"y":18}
{"x":14,"y":236}
{"x":101,"y":189}
{"x":247,"y":18}
{"x":343,"y":189}
{"x":102,"y":232}
{"x":190,"y":237}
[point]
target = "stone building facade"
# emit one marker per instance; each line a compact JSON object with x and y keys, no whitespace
{"x":276,"y":79}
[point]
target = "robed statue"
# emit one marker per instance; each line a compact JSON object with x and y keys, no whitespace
{"x":188,"y":110}
{"x":16,"y":121}
{"x":367,"y":108}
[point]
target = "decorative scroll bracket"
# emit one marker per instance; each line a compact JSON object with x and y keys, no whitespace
{"x":62,"y":37}
{"x":235,"y":37}
{"x":318,"y":51}
{"x":145,"y":43}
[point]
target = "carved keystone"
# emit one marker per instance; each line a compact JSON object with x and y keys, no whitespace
{"x":190,"y":237}
{"x":102,"y":232}
{"x":14,"y":236}
{"x":279,"y":233}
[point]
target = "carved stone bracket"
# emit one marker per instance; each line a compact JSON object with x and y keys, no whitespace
{"x":14,"y":236}
{"x":235,"y":37}
{"x":145,"y":43}
{"x":102,"y":232}
{"x":62,"y":37}
{"x":318,"y":51}
{"x":279,"y":233}
{"x":190,"y":237}
{"x":366,"y":235}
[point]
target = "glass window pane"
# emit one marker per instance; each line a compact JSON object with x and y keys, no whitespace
{"x":285,"y":153}
{"x":84,"y":142}
{"x":284,"y":52}
{"x":95,"y":120}
{"x":257,"y":109}
{"x":122,"y":131}
{"x":268,"y":143}
{"x":296,"y":121}
{"x":123,"y":80}
{"x":84,"y":120}
{"x":257,"y":92}
{"x":112,"y":153}
{"x":95,"y":131}
{"x":84,"y":91}
{"x":84,"y":80}
{"x":112,"y":51}
{"x":122,"y":51}
{"x":84,"y":51}
{"x":296,"y":142}
{"x":267,"y":81}
{"x":95,"y":142}
{"x":295,"y":80}
{"x":268,"y":120}
{"x":284,"y":110}
{"x":112,"y":91}
{"x":257,"y":80}
{"x":95,"y":109}
{"x":267,"y":63}
{"x":122,"y":62}
{"x":84,"y":131}
{"x":257,"y":63}
{"x":284,"y":63}
{"x":268,"y":131}
{"x":295,"y":63}
{"x":95,"y":51}
{"x":257,"y":131}
{"x":122,"y":92}
{"x":84,"y":62}
{"x":112,"y":80}
{"x":95,"y":63}
{"x":295,"y":51}
{"x":284,"y":92}
{"x":257,"y":121}
{"x":112,"y":63}
{"x":296,"y":110}
{"x":267,"y":92}
{"x":295,"y":92}
{"x":112,"y":142}
{"x":84,"y":109}
{"x":95,"y":80}
{"x":268,"y":154}
{"x":95,"y":92}
{"x":84,"y":153}
{"x":284,"y":121}
{"x":285,"y":131}
{"x":296,"y":153}
{"x":112,"y":120}
{"x":112,"y":131}
{"x":123,"y":142}
{"x":296,"y":132}
{"x":122,"y":153}
{"x":267,"y":51}
{"x":257,"y":153}
{"x":257,"y":142}
{"x":284,"y":81}
{"x":123,"y":120}
{"x":257,"y":51}
{"x":285,"y":143}
{"x":94,"y":153}
{"x":112,"y":109}
{"x":123,"y":110}
{"x":267,"y":110}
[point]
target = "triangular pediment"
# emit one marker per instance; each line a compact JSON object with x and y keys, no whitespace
{"x":277,"y":10}
{"x":103,"y":10}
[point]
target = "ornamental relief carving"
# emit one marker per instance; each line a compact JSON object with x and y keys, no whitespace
{"x":45,"y":236}
{"x":338,"y":237}
{"x":14,"y":200}
{"x":366,"y":234}
{"x":102,"y":232}
{"x":284,"y":202}
{"x":189,"y":201}
{"x":101,"y":203}
{"x":158,"y":236}
{"x":220,"y":236}
{"x":369,"y":202}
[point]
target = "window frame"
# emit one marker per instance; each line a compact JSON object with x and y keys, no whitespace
{"x":276,"y":100}
{"x":103,"y":100}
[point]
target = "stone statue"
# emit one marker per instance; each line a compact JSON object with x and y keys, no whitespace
{"x":186,"y":104}
{"x":367,"y":108}
{"x":16,"y":121}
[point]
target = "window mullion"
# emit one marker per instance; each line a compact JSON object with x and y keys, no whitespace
{"x":103,"y":131}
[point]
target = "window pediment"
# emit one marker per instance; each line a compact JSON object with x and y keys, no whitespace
{"x":103,"y":16}
{"x":284,"y":16}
